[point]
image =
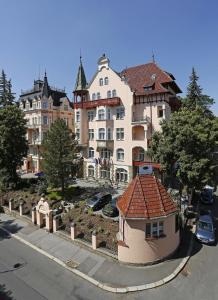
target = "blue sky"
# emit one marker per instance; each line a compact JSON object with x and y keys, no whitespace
{"x":50,"y":34}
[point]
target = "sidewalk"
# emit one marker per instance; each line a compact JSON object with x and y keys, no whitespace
{"x":102,"y":271}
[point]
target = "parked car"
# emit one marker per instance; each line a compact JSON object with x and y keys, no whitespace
{"x":98,"y":201}
{"x":110,"y":210}
{"x":206,"y":196}
{"x":39,"y":174}
{"x":205,"y":228}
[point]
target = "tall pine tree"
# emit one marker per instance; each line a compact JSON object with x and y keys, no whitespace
{"x":6,"y":95}
{"x":195,"y":98}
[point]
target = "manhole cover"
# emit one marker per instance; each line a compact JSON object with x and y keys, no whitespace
{"x":72,"y":264}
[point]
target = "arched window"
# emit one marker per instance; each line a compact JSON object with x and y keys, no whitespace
{"x":105,"y":172}
{"x":101,"y":134}
{"x":98,"y":96}
{"x":106,"y":80}
{"x":91,"y":171}
{"x":108,"y":94}
{"x":101,"y":81}
{"x":120,"y":154}
{"x":101,"y":114}
{"x":114,"y":93}
{"x":93,"y":96}
{"x":91,"y":152}
{"x":121,"y":175}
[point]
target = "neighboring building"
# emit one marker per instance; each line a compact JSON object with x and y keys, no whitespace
{"x":42,"y":105}
{"x":148,"y":224}
{"x":116,"y":114}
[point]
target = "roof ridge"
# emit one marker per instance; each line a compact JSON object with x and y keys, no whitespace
{"x":150,"y":63}
{"x":159,"y":194}
{"x":144,"y":197}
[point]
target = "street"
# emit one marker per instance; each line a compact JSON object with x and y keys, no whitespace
{"x":37,"y":277}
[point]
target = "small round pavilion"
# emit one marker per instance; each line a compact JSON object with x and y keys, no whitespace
{"x":148,"y":224}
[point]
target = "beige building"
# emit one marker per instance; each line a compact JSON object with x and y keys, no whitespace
{"x":148,"y":222}
{"x":116,"y":114}
{"x":42,"y":105}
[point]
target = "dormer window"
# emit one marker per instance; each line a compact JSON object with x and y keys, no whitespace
{"x":98,"y":96}
{"x":108,"y":94}
{"x":106,"y":80}
{"x":101,"y":81}
{"x":44,"y":105}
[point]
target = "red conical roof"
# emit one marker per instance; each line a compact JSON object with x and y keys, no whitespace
{"x":146,"y":198}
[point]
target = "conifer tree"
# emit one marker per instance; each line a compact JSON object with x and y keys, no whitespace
{"x":6,"y":95}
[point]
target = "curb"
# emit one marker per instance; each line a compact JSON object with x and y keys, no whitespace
{"x":104,"y":286}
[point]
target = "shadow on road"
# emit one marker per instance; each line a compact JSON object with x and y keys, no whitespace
{"x":5,"y":294}
{"x":9,"y":226}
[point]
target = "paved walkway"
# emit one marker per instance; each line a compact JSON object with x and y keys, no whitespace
{"x":100,"y":268}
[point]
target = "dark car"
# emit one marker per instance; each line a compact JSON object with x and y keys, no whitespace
{"x":205,"y":228}
{"x":39,"y":174}
{"x":98,"y":201}
{"x":206,"y":196}
{"x":110,"y":210}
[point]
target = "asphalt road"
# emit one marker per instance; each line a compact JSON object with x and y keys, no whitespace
{"x":38,"y":277}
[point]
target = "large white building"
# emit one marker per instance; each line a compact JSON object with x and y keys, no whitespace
{"x":116,"y":114}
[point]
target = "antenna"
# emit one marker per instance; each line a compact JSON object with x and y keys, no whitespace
{"x":153,"y":59}
{"x":80,"y":55}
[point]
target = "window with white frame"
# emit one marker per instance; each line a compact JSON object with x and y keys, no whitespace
{"x":109,"y":134}
{"x":91,"y":115}
{"x":141,"y":154}
{"x":101,"y":114}
{"x":98,"y":96}
{"x":108,"y":114}
{"x":77,"y":133}
{"x":45,"y":120}
{"x":91,"y":171}
{"x":114,"y":93}
{"x":106,"y":81}
{"x":108,"y":94}
{"x":44,"y":105}
{"x":91,"y":152}
{"x":105,"y":153}
{"x":101,"y":134}
{"x":121,"y":175}
{"x":93,"y":96}
{"x":120,"y":134}
{"x":101,"y":81}
{"x":120,"y":154}
{"x":91,"y":134}
{"x":120,"y":113}
{"x":34,"y":105}
{"x":78,"y":116}
{"x":105,"y":172}
{"x":154,"y":230}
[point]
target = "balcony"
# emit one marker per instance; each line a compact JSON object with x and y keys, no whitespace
{"x":138,"y":121}
{"x":109,"y":144}
{"x":35,"y":142}
{"x":95,"y":103}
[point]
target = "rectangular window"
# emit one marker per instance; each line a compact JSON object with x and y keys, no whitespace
{"x":120,"y":113}
{"x":65,"y":107}
{"x":45,"y":120}
{"x":154,"y":230}
{"x":44,"y":105}
{"x":160,"y":112}
{"x":91,"y":134}
{"x":77,"y":116}
{"x":90,"y":115}
{"x":120,"y":134}
{"x":101,"y":114}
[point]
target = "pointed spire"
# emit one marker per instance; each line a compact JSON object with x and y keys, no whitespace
{"x":81,"y":82}
{"x":45,"y":88}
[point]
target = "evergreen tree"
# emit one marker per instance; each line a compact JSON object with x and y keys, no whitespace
{"x":59,"y":154}
{"x":6,"y":95}
{"x":185,"y":147}
{"x":194,"y":97}
{"x":13,"y":144}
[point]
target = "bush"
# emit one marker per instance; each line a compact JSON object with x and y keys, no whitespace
{"x":42,"y":187}
{"x":32,"y":189}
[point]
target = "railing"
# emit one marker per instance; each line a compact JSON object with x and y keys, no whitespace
{"x":105,"y":143}
{"x":95,"y":103}
{"x":144,"y":120}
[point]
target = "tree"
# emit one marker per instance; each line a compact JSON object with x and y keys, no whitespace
{"x":6,"y":95}
{"x":185,"y":147}
{"x":13,"y":144}
{"x":59,"y":154}
{"x":194,"y":97}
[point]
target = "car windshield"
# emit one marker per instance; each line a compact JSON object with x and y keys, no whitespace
{"x":93,"y":200}
{"x":205,"y":226}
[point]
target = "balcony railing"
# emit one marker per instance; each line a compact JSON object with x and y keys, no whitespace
{"x":105,"y":144}
{"x":95,"y":103}
{"x":143,"y":120}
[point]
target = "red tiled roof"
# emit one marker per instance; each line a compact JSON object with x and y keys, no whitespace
{"x":146,"y":198}
{"x":140,"y":76}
